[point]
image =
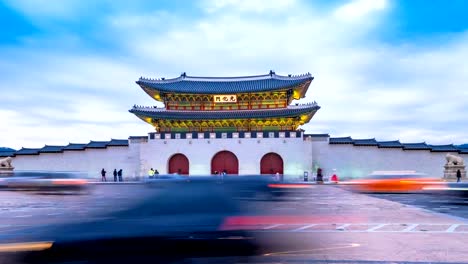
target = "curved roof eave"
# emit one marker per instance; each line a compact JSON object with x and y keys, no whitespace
{"x":225,"y":85}
{"x":161,"y":113}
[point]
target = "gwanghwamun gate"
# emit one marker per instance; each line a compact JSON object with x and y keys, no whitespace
{"x":241,"y":125}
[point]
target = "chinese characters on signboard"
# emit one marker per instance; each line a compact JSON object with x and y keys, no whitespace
{"x":225,"y":98}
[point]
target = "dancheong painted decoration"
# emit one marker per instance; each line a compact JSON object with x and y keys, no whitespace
{"x":248,"y":103}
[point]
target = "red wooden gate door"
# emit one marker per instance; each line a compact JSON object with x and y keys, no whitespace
{"x":271,"y":163}
{"x":179,"y":163}
{"x":225,"y":160}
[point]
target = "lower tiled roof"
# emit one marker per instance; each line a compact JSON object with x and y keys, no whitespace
{"x":7,"y":153}
{"x":444,"y":148}
{"x":341,"y":140}
{"x":28,"y":151}
{"x":51,"y":149}
{"x":162,"y":113}
{"x":75,"y":146}
{"x":118,"y":142}
{"x":365,"y":142}
{"x":416,"y":146}
{"x":389,"y":144}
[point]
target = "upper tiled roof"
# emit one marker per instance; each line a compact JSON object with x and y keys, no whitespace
{"x":162,"y":113}
{"x":389,"y":144}
{"x":97,"y":144}
{"x":51,"y":149}
{"x":416,"y":146}
{"x":341,"y":140}
{"x":365,"y":142}
{"x":27,"y":151}
{"x":75,"y":146}
{"x":444,"y":148}
{"x":118,"y":142}
{"x":224,"y":85}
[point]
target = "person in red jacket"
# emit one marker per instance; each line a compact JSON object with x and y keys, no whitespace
{"x":334,"y":177}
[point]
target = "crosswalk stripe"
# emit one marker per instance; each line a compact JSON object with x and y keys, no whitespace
{"x":410,"y":228}
{"x":372,"y":229}
{"x":452,"y":228}
{"x":303,"y":227}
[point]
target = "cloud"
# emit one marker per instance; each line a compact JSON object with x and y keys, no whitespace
{"x":359,"y":9}
{"x":255,"y":6}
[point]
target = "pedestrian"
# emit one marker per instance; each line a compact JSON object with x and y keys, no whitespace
{"x":119,"y":173}
{"x":103,"y":175}
{"x":156,"y":174}
{"x":115,"y":175}
{"x":319,"y":176}
{"x":458,"y":175}
{"x":151,"y":173}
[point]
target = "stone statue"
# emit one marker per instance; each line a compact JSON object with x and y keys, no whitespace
{"x":6,"y":162}
{"x":454,"y":160}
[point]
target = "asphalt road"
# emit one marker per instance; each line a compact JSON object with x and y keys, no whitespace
{"x":323,"y":224}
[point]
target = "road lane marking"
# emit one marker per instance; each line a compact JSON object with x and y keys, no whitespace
{"x":342,"y":227}
{"x":272,"y":226}
{"x":452,"y":228}
{"x":303,"y":227}
{"x":372,"y":229}
{"x":410,"y":228}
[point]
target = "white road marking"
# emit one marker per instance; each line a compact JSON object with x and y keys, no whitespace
{"x":452,"y":228}
{"x":342,"y":227}
{"x":303,"y":227}
{"x":272,"y":226}
{"x":372,"y":229}
{"x":410,"y":228}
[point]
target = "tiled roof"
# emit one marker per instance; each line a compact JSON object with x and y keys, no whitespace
{"x":443,"y":148}
{"x":51,"y":149}
{"x":27,"y":151}
{"x":365,"y":142}
{"x":389,"y":144}
{"x":162,"y":113}
{"x":97,"y":144}
{"x":137,"y":137}
{"x":416,"y":146}
{"x":7,"y":154}
{"x":463,"y":150}
{"x":75,"y":146}
{"x":341,"y":140}
{"x":316,"y":135}
{"x":224,"y":85}
{"x":118,"y":142}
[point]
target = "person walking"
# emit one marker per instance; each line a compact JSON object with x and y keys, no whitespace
{"x":103,"y":175}
{"x":319,"y":176}
{"x":119,"y":173}
{"x":458,"y":175}
{"x":156,"y":173}
{"x":115,"y":175}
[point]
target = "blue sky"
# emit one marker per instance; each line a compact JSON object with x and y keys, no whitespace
{"x":383,"y":69}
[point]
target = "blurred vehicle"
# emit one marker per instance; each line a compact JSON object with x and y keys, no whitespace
{"x":44,"y":181}
{"x":259,"y":187}
{"x":168,"y":225}
{"x":394,"y":182}
{"x":458,"y":189}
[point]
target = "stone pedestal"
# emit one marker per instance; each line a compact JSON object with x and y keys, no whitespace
{"x":450,"y":172}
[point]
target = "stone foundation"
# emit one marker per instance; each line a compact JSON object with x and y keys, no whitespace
{"x":450,"y":172}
